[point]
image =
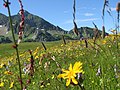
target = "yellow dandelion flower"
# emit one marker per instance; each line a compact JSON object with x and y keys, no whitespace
{"x":11,"y":85}
{"x":71,"y":73}
{"x":2,"y":84}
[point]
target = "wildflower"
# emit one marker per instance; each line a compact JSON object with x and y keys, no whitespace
{"x":6,"y":3}
{"x":8,"y":73}
{"x":28,"y":81}
{"x":11,"y":58}
{"x":33,"y":83}
{"x":26,"y":69}
{"x":79,"y":75}
{"x":42,"y":86}
{"x":21,"y":23}
{"x":24,"y":88}
{"x":9,"y":63}
{"x":36,"y":57}
{"x":62,"y":45}
{"x":2,"y":84}
{"x":109,"y":46}
{"x":19,"y":40}
{"x":1,"y":65}
{"x":71,"y":73}
{"x":98,"y":71}
{"x":21,"y":55}
{"x":48,"y":84}
{"x":11,"y":85}
{"x":104,"y":42}
{"x":53,"y":76}
{"x":115,"y":70}
{"x":36,"y":51}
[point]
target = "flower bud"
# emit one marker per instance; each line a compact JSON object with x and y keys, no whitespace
{"x":118,"y":7}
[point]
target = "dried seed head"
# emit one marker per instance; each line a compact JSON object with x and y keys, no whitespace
{"x":118,"y":7}
{"x":75,"y":29}
{"x":6,"y":4}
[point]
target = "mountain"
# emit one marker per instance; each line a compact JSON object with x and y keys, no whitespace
{"x":37,"y":29}
{"x":85,"y":32}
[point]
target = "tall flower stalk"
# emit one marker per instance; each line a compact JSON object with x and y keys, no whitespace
{"x":118,"y":15}
{"x":108,"y":9}
{"x":75,"y":29}
{"x":15,"y":46}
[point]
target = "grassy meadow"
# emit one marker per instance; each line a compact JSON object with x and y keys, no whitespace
{"x":7,"y":49}
{"x":88,"y":64}
{"x":100,"y":65}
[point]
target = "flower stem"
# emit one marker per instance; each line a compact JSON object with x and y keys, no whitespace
{"x":81,"y":87}
{"x":16,"y":48}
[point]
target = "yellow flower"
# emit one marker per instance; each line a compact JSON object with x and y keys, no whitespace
{"x":104,"y":42}
{"x":21,"y":55}
{"x":33,"y":83}
{"x":8,"y":73}
{"x":53,"y":76}
{"x":36,"y":57}
{"x":36,"y":51}
{"x":62,"y":45}
{"x":2,"y":84}
{"x":1,"y":65}
{"x":71,"y":73}
{"x":11,"y":85}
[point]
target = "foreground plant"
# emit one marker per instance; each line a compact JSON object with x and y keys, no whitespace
{"x":71,"y":73}
{"x":6,"y":4}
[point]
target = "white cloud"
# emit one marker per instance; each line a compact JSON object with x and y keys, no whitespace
{"x":113,"y":9}
{"x":81,"y":20}
{"x":90,"y":19}
{"x":66,"y":12}
{"x":88,"y":14}
{"x":86,"y":8}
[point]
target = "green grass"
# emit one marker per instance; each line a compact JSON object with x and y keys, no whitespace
{"x":103,"y":56}
{"x":7,"y":49}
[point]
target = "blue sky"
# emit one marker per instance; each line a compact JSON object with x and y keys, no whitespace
{"x":59,"y":12}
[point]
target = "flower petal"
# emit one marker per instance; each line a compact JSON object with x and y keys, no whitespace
{"x":66,"y":71}
{"x":74,"y":81}
{"x":77,"y":66}
{"x":70,"y":67}
{"x":68,"y":82}
{"x":62,"y":76}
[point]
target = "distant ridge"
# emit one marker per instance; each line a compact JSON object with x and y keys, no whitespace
{"x":37,"y":29}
